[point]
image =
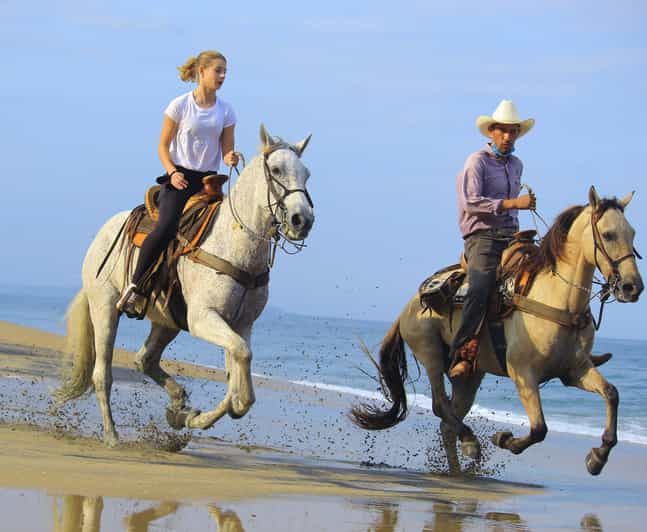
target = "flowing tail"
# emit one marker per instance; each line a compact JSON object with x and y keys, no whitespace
{"x":80,"y":346}
{"x":393,"y":374}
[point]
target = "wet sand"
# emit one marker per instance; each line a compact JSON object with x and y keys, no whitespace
{"x":265,"y":472}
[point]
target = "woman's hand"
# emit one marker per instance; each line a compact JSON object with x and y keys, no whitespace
{"x":178,"y":181}
{"x":231,"y":158}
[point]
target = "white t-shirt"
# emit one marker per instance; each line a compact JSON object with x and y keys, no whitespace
{"x":196,"y":145}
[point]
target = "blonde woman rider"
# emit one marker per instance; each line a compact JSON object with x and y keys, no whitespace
{"x":197,"y":132}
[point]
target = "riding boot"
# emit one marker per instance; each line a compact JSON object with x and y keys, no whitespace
{"x":464,"y":364}
{"x":132,"y":303}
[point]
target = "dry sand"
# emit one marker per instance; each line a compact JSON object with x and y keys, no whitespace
{"x":55,"y":481}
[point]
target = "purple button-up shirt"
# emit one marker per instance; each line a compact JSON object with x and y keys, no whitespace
{"x":485,"y":181}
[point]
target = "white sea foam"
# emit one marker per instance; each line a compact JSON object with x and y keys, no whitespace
{"x":633,"y":432}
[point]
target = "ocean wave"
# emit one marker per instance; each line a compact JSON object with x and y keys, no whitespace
{"x":631,"y":432}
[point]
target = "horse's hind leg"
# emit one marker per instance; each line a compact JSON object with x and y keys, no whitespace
{"x":148,"y":359}
{"x":463,"y":394}
{"x":105,"y":320}
{"x":528,"y":390}
{"x":590,"y":380}
{"x":451,"y":426}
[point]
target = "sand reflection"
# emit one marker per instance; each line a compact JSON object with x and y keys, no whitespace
{"x":139,"y":521}
{"x":448,"y":517}
{"x":77,"y":513}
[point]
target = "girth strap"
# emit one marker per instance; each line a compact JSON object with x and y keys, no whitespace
{"x":223,"y":266}
{"x":562,"y":317}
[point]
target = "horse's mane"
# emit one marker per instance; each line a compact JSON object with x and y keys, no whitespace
{"x":552,"y":244}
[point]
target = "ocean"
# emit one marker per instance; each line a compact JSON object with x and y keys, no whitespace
{"x":324,"y":352}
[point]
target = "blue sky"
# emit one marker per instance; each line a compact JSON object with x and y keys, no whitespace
{"x":390,"y":92}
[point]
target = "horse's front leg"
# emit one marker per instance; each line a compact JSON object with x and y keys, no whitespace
{"x":210,"y":326}
{"x":590,"y":380}
{"x":528,"y":390}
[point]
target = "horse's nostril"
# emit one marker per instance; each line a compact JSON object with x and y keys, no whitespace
{"x":296,"y":220}
{"x":628,"y":288}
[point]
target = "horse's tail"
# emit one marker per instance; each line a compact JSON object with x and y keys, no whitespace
{"x":80,"y":347}
{"x":393,"y":374}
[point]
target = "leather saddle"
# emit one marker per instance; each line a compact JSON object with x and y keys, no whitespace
{"x":446,"y":288}
{"x":197,"y":216}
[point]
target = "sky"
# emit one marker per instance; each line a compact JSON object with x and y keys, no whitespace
{"x":389,"y":90}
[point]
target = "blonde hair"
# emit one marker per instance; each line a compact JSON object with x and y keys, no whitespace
{"x":189,"y":70}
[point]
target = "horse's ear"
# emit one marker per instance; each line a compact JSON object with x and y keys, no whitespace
{"x":266,"y":138}
{"x":625,"y":201}
{"x":300,"y":146}
{"x":594,"y":199}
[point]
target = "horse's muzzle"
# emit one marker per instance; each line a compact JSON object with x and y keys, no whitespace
{"x":299,"y":226}
{"x":628,"y":290}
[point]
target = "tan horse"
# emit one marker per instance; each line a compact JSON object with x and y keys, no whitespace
{"x":581,"y":239}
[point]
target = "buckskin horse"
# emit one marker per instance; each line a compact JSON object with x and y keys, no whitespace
{"x":555,"y":341}
{"x":269,"y":199}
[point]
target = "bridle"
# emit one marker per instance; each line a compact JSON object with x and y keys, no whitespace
{"x":598,"y":243}
{"x":610,"y":286}
{"x":275,"y":236}
{"x":272,"y":184}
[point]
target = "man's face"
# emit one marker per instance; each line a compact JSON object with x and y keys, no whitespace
{"x":504,"y":136}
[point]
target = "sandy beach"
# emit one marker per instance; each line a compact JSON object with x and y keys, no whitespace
{"x":268,"y":472}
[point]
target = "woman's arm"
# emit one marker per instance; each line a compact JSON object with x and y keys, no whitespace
{"x":227,"y":146}
{"x":169,"y":129}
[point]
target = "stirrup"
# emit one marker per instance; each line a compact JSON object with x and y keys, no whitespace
{"x":131,"y":303}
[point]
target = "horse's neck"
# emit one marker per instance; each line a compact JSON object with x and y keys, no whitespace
{"x":568,"y":288}
{"x":231,"y":242}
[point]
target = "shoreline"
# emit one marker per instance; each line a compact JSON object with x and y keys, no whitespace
{"x":295,"y":445}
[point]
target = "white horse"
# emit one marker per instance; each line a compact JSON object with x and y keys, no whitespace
{"x":269,"y":195}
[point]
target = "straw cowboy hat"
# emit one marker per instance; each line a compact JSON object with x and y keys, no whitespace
{"x":505,"y":113}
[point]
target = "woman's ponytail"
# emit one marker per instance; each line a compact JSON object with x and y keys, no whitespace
{"x":189,"y":70}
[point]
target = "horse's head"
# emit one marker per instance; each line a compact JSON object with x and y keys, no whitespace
{"x":611,"y":247}
{"x":286,"y":178}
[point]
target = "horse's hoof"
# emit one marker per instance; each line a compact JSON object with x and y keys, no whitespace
{"x":502,"y":439}
{"x":471,"y":449}
{"x":177,"y":419}
{"x":594,"y":463}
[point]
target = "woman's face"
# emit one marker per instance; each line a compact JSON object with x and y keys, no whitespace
{"x":212,"y":76}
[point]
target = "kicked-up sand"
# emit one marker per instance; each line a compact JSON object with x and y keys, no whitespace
{"x":294,"y":462}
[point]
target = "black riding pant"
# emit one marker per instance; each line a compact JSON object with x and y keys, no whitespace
{"x":171,"y":204}
{"x":483,"y":251}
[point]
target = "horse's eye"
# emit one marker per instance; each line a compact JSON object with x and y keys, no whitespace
{"x":609,"y":235}
{"x":275,"y":171}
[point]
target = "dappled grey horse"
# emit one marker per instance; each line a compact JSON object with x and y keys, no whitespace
{"x":268,"y":201}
